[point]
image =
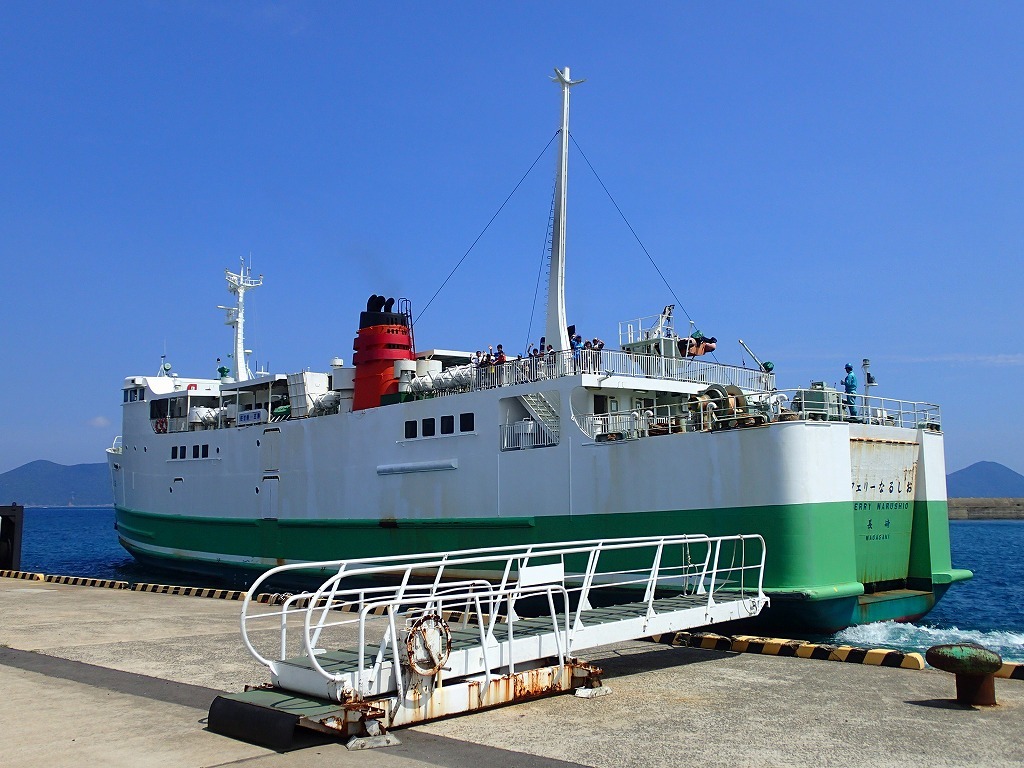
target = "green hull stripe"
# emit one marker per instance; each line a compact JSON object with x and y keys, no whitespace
{"x":822,"y":551}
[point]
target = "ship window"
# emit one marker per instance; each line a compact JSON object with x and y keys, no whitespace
{"x":126,"y":395}
{"x":195,"y":451}
{"x":410,"y":430}
{"x":466,"y":422}
{"x":142,"y":395}
{"x":174,"y":451}
{"x":134,"y":395}
{"x":206,"y":451}
{"x":181,"y":451}
{"x":428,"y":428}
{"x":447,"y":425}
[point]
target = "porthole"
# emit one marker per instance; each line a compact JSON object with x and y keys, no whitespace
{"x":257,"y":443}
{"x":218,"y":449}
{"x":257,"y":489}
{"x":170,"y":490}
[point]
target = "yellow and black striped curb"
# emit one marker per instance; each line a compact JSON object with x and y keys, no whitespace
{"x":881,"y":657}
{"x":80,"y":581}
{"x":1011,"y":671}
{"x":169,"y":589}
{"x":22,"y":575}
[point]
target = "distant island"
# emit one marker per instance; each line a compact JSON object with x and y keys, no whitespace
{"x":46,"y":484}
{"x":985,"y":479}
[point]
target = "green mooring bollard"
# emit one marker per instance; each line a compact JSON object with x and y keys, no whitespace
{"x":973,"y":666}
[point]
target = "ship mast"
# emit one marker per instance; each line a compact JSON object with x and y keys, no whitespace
{"x":556,"y":332}
{"x":238,"y":284}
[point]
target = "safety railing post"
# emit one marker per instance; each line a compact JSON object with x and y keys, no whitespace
{"x":714,"y":572}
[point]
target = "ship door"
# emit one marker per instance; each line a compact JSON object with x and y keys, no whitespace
{"x":269,"y":499}
{"x":270,"y":449}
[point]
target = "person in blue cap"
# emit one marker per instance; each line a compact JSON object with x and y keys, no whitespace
{"x":850,"y":385}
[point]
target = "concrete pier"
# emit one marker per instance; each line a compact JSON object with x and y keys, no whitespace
{"x":94,"y":676}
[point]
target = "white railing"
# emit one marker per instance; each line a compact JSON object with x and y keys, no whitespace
{"x":372,"y":603}
{"x":629,"y":425}
{"x":117,"y":446}
{"x":652,"y":327}
{"x":600,"y":362}
{"x":524,"y":434}
{"x":172,"y":424}
{"x":831,"y":405}
{"x":758,"y":409}
{"x":683,"y":369}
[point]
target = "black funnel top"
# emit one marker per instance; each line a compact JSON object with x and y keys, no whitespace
{"x":378,"y":312}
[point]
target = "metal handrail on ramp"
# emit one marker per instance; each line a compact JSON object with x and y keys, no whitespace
{"x":401,"y":629}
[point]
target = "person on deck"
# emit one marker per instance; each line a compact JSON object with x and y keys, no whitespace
{"x":576,"y":343}
{"x":850,"y":385}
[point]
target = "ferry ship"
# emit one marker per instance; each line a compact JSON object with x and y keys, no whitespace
{"x":409,"y":451}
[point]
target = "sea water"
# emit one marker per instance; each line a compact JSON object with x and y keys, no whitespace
{"x":986,"y":609}
{"x":80,"y":541}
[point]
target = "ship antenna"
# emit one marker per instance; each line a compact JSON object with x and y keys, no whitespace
{"x":556,"y":328}
{"x":238,"y":284}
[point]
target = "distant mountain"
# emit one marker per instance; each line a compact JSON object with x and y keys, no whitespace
{"x":986,"y":480}
{"x":45,"y":484}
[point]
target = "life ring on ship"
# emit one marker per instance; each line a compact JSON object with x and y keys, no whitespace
{"x":160,"y":426}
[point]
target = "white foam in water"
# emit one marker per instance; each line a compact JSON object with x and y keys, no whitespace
{"x":909,"y":637}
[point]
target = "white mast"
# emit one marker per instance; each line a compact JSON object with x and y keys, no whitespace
{"x":555,"y":330}
{"x":238,"y":284}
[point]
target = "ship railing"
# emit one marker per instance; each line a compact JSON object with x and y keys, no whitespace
{"x":825,"y":404}
{"x":621,"y":363}
{"x":376,"y":605}
{"x":642,"y":422}
{"x":117,"y":446}
{"x":172,"y":424}
{"x":520,"y":435}
{"x":758,"y":409}
{"x":652,"y":327}
{"x":607,"y":362}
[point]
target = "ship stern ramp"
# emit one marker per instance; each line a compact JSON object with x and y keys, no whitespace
{"x":895,"y":527}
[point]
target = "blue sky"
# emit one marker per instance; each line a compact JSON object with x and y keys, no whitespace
{"x":826,"y":181}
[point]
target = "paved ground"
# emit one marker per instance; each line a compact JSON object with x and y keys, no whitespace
{"x":112,"y":678}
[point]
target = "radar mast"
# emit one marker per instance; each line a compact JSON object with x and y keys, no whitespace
{"x":238,"y":284}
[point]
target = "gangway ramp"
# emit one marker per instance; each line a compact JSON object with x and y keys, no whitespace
{"x":391,"y":641}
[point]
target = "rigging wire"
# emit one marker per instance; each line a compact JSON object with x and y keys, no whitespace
{"x":484,"y":230}
{"x":544,"y":256}
{"x":636,"y":236}
{"x":632,"y":231}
